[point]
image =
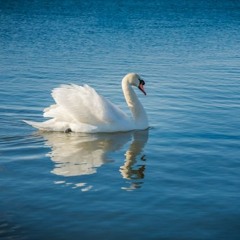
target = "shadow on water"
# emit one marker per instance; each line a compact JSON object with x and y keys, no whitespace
{"x":77,"y":154}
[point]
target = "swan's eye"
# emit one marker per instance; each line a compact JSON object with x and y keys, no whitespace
{"x":141,"y":82}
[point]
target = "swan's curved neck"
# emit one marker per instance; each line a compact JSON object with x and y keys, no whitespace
{"x":138,"y":112}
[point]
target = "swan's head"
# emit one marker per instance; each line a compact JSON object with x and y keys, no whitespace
{"x":135,"y":80}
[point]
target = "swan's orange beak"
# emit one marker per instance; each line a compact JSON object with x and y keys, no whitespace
{"x":140,"y":86}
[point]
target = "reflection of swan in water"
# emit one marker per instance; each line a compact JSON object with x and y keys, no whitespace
{"x":132,"y":168}
{"x":78,"y":154}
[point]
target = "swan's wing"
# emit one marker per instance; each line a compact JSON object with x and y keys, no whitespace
{"x":82,"y":104}
{"x":57,"y":112}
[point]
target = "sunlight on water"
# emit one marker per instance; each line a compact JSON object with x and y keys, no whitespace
{"x":177,"y":180}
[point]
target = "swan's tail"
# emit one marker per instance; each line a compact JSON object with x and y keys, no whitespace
{"x":38,"y":125}
{"x":49,"y":125}
{"x":56,"y":126}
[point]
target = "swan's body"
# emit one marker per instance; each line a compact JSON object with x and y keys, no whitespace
{"x":82,"y":109}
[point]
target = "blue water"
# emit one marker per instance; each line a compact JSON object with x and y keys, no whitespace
{"x":179,"y":179}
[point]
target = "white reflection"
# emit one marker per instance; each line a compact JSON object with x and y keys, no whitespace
{"x":77,"y":154}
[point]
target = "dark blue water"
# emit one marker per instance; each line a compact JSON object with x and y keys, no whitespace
{"x":177,"y":180}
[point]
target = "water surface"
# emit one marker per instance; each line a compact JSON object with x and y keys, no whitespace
{"x":177,"y":180}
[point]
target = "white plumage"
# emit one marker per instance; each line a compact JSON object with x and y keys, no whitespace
{"x":82,"y":109}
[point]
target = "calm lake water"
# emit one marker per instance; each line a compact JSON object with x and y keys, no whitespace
{"x":179,"y":179}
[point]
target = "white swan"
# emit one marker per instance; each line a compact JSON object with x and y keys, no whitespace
{"x":82,"y":109}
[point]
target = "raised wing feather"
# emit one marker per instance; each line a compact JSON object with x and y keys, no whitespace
{"x":82,"y":104}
